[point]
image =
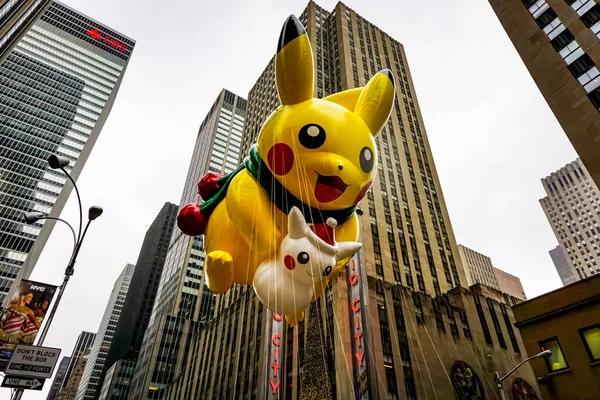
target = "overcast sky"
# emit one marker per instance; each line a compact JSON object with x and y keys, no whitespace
{"x":492,"y":134}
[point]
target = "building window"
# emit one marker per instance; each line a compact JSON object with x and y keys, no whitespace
{"x":509,"y":328}
{"x":496,"y":323}
{"x":591,"y":16}
{"x":580,"y":66}
{"x":591,"y":340}
{"x":562,"y":40}
{"x":594,"y":97}
{"x":545,"y":18}
{"x":484,"y":325}
{"x":557,"y":361}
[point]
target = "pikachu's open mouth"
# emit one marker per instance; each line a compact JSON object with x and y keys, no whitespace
{"x":329,"y":188}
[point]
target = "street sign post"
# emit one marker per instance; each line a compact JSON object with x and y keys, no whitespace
{"x":33,"y":361}
{"x":23,"y":382}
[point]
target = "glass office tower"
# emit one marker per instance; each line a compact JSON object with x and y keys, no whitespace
{"x":57,"y":87}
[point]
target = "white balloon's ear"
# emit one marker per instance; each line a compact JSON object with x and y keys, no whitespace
{"x":347,"y":249}
{"x":296,"y":224}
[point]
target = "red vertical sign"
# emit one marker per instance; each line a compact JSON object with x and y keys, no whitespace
{"x":356,"y":328}
{"x":276,"y":354}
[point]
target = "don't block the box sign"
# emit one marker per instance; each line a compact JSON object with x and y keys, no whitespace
{"x":33,"y":361}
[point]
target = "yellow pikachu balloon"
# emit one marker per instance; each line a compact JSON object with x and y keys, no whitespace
{"x":317,"y":155}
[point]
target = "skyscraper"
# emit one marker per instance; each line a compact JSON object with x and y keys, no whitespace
{"x":69,"y":391}
{"x":84,"y":342}
{"x":15,"y":18}
{"x":566,"y":273}
{"x":558,"y":42}
{"x":116,"y":381}
{"x":348,"y":61}
{"x":134,"y":317}
{"x":58,"y":378}
{"x":57,"y":88}
{"x":89,"y":387}
{"x":478,"y":267}
{"x":381,"y":332}
{"x":572,"y":208}
{"x":510,"y":284}
{"x":183,"y":302}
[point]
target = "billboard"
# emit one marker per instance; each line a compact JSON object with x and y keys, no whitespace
{"x":21,"y":320}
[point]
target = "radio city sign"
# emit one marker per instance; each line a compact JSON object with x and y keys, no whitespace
{"x":95,"y":34}
{"x":356,"y":328}
{"x":274,"y":375}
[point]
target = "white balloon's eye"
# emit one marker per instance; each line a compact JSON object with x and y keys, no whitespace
{"x":303,"y":257}
{"x":327,"y":270}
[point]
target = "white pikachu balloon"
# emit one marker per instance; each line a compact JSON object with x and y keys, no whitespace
{"x":286,"y":284}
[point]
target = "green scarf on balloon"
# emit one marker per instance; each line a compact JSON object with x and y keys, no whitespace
{"x":280,"y":196}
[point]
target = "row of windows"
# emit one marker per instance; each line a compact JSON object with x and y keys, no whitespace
{"x":84,"y":56}
{"x":50,"y":180}
{"x":578,"y":62}
{"x":83,"y":66}
{"x":590,"y":337}
{"x":78,"y":25}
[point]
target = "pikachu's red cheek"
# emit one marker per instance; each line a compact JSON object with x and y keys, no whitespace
{"x":280,"y":159}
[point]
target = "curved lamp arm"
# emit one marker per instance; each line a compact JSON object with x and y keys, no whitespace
{"x":543,"y":354}
{"x":56,"y":161}
{"x":78,"y":202}
{"x":70,"y":227}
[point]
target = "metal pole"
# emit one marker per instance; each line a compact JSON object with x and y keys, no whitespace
{"x":78,"y":201}
{"x":44,"y":331}
{"x":499,"y":385}
{"x":545,"y":353}
{"x":68,"y":272}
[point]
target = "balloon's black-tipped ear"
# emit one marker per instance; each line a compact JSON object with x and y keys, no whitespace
{"x":294,"y":67}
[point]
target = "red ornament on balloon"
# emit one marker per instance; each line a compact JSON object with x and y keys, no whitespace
{"x":209,"y":185}
{"x":191,"y":221}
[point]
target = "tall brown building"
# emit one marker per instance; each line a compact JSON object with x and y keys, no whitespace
{"x":401,"y":323}
{"x":558,"y":42}
{"x":69,"y":391}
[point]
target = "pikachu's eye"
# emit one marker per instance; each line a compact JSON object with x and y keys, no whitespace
{"x":366,"y":159}
{"x":312,"y":136}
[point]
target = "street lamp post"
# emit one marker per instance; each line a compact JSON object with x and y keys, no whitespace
{"x":543,"y":354}
{"x":58,"y":162}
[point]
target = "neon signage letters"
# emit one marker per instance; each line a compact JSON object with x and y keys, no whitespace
{"x":274,"y":376}
{"x":95,"y":34}
{"x":356,"y":327}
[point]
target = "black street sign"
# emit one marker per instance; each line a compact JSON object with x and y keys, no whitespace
{"x":23,"y":382}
